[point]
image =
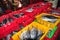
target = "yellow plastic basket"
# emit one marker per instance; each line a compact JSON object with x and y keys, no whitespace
{"x":47,"y":23}
{"x":36,"y":25}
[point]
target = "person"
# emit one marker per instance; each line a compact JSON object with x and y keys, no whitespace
{"x":2,"y":9}
{"x":6,"y":5}
{"x":17,"y":4}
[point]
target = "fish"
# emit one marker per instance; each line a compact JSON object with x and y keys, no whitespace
{"x":21,"y":14}
{"x":16,"y":15}
{"x":33,"y":33}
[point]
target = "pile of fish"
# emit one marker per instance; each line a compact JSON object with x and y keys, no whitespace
{"x":18,"y":15}
{"x":49,"y":18}
{"x":33,"y":34}
{"x":29,"y":10}
{"x":6,"y":21}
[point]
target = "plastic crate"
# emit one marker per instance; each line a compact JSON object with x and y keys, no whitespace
{"x":41,"y":4}
{"x":19,"y":14}
{"x":10,"y":28}
{"x":7,"y":29}
{"x":6,"y":26}
{"x":37,"y":8}
{"x":16,"y":14}
{"x":34,"y":9}
{"x":16,"y":25}
{"x":31,"y":11}
{"x":36,"y":25}
{"x":55,"y":12}
{"x":3,"y":25}
{"x":47,"y":23}
{"x":52,"y":31}
{"x":25,"y":20}
{"x":54,"y":37}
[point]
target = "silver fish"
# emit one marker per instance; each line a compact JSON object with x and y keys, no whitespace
{"x":39,"y":33}
{"x":33,"y":33}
